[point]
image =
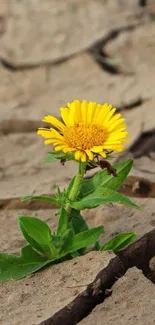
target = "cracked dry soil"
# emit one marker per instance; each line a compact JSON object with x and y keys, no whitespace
{"x":52,"y":52}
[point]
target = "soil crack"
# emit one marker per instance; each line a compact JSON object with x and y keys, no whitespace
{"x":94,"y":49}
{"x":107,"y":63}
{"x":137,"y":255}
{"x":134,"y":186}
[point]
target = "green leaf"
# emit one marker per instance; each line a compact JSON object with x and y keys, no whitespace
{"x":102,"y":178}
{"x":50,"y":158}
{"x":75,"y":254}
{"x":119,"y":241}
{"x":41,"y":198}
{"x":58,"y":192}
{"x":70,"y":185}
{"x":77,"y":222}
{"x":17,"y":267}
{"x":40,"y":249}
{"x":97,"y":246}
{"x":36,"y":228}
{"x":58,"y":240}
{"x":55,"y":156}
{"x":81,"y":240}
{"x":102,"y":195}
{"x":63,"y":221}
{"x":37,"y":233}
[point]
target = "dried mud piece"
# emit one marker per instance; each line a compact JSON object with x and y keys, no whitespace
{"x":119,"y":218}
{"x":53,"y":30}
{"x":79,"y":77}
{"x":20,"y":87}
{"x":95,"y":293}
{"x":11,"y":239}
{"x":137,"y":254}
{"x":91,"y":83}
{"x":133,"y":49}
{"x":28,"y":301}
{"x":138,"y":187}
{"x":22,"y":171}
{"x":16,"y":203}
{"x":144,"y":146}
{"x":132,"y":290}
{"x":134,"y":186}
{"x":144,"y":166}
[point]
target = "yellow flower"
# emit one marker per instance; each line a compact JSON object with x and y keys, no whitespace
{"x":88,"y":129}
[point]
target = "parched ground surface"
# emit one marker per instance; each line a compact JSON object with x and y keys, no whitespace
{"x":50,"y":53}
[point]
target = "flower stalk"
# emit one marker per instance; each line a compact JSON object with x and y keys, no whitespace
{"x":76,"y":186}
{"x":77,"y":182}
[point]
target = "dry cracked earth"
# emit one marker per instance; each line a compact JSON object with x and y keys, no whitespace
{"x":52,"y":52}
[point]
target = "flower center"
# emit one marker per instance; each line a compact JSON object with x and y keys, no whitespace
{"x":85,"y":136}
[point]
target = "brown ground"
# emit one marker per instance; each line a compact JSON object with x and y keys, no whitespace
{"x":52,"y":52}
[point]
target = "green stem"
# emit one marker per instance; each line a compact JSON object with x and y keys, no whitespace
{"x":77,"y":182}
{"x":76,"y":186}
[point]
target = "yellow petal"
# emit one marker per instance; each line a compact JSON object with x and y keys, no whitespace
{"x":69,"y":105}
{"x":50,"y":134}
{"x":118,"y":135}
{"x":96,"y":113}
{"x":50,"y":141}
{"x":84,"y":111}
{"x":103,"y":154}
{"x":89,"y":154}
{"x":68,"y":149}
{"x":83,"y":157}
{"x":91,"y":112}
{"x":78,"y":155}
{"x":56,"y":134}
{"x":112,"y":111}
{"x":103,"y":110}
{"x":114,"y":119}
{"x":65,"y":115}
{"x":77,"y":111}
{"x":72,"y":115}
{"x":120,"y":127}
{"x":45,"y":133}
{"x":116,"y":147}
{"x":119,"y":148}
{"x":54,"y":121}
{"x":113,"y":142}
{"x":115,"y":124}
{"x":60,"y":147}
{"x":97,"y":149}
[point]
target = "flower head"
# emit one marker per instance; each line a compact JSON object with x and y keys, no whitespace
{"x":88,"y":129}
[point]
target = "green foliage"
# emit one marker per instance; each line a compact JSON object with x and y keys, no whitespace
{"x":83,"y":239}
{"x":102,"y":195}
{"x":71,"y":183}
{"x":73,"y":234}
{"x":102,"y":178}
{"x":48,"y":199}
{"x":45,"y":247}
{"x":77,"y":222}
{"x":56,"y":156}
{"x":37,"y":234}
{"x":119,"y":241}
{"x":17,"y":267}
{"x":63,"y":221}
